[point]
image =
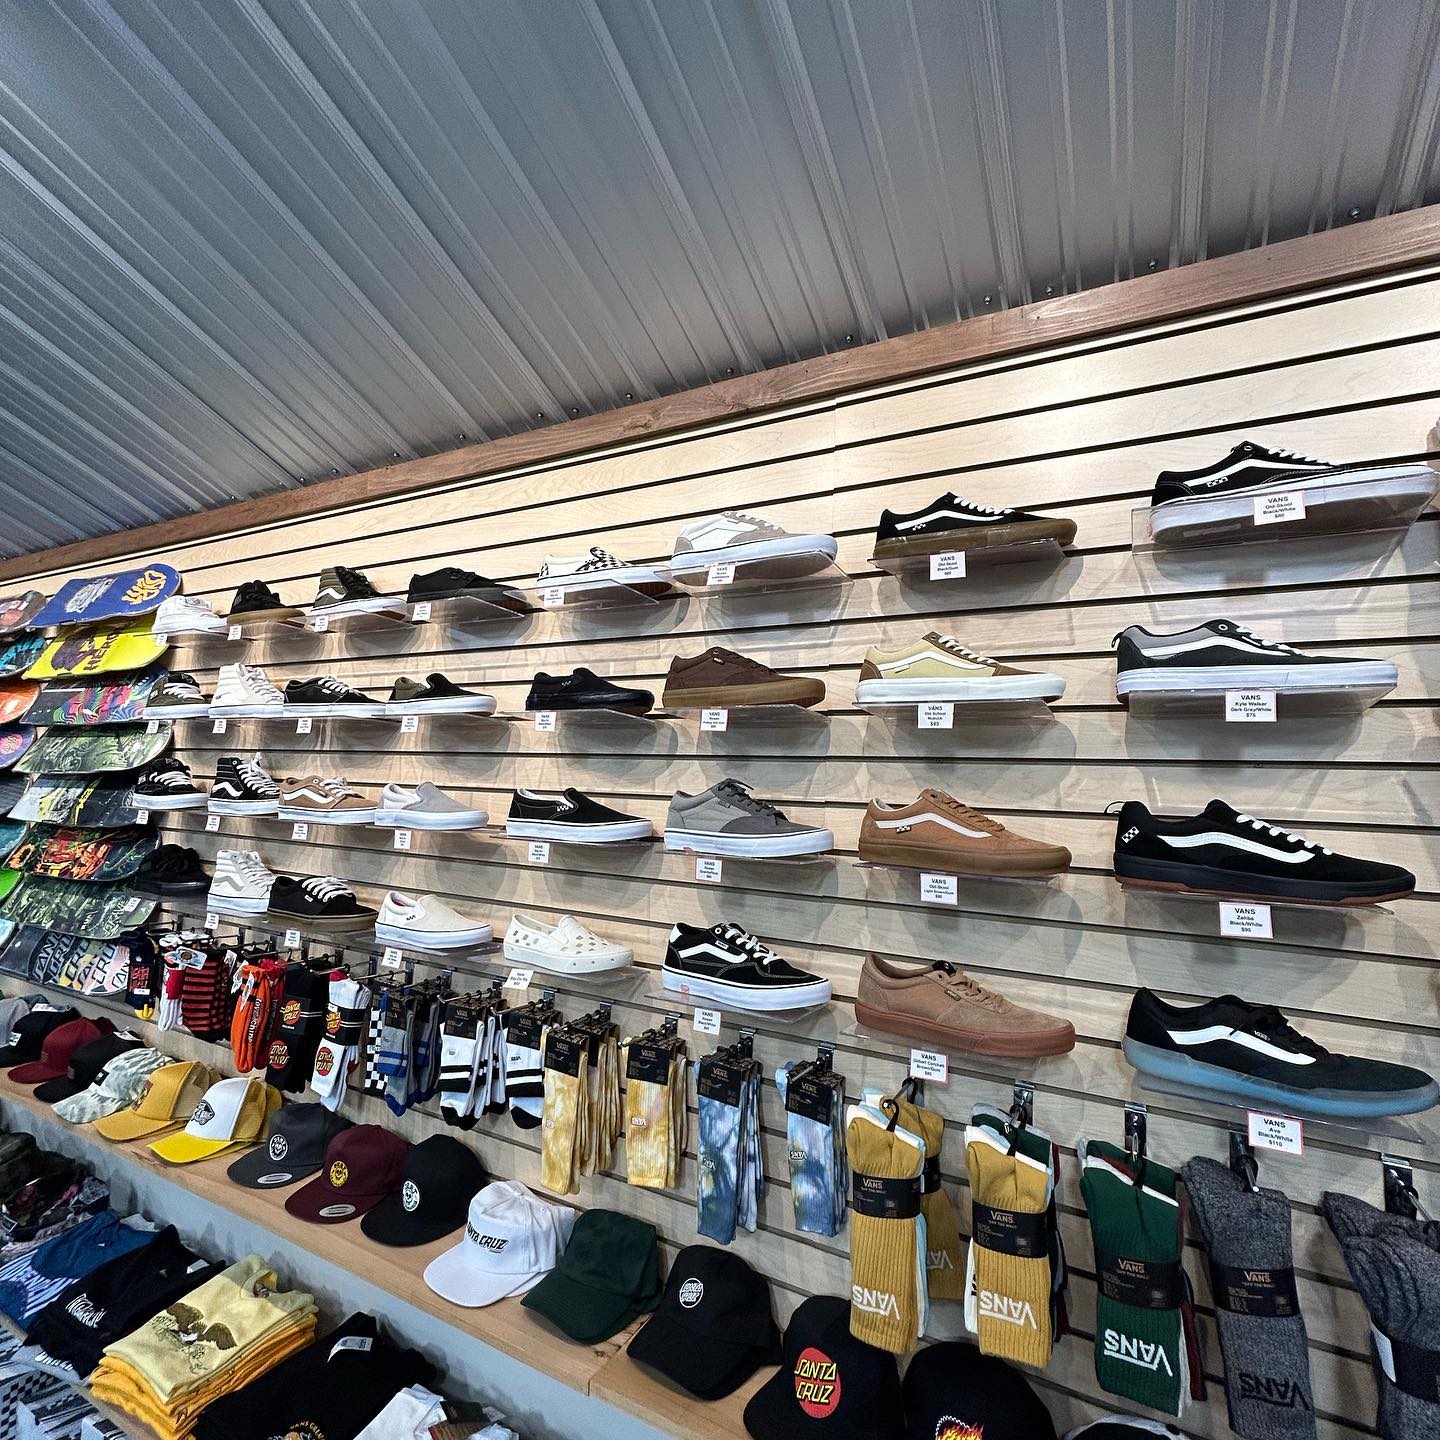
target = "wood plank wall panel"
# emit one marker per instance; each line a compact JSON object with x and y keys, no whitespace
{"x":1347,"y":372}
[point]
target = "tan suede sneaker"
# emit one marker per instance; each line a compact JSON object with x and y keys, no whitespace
{"x":943,"y":1006}
{"x":939,"y":667}
{"x":936,"y":832}
{"x":722,"y":678}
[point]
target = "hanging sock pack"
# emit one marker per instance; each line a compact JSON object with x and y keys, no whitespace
{"x":335,"y":1056}
{"x":656,"y":1065}
{"x":291,"y":1056}
{"x":730,"y":1176}
{"x":815,"y":1145}
{"x":257,"y":983}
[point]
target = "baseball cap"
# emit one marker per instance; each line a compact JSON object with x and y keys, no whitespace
{"x":85,"y":1065}
{"x":231,"y":1113}
{"x":441,"y":1175}
{"x":951,"y":1388}
{"x":1122,"y":1427}
{"x":713,"y":1327}
{"x":115,"y":1087}
{"x":512,"y":1238}
{"x":30,"y":1032}
{"x":169,"y":1095}
{"x":363,"y":1164}
{"x":299,"y":1135}
{"x":57,"y":1049}
{"x":608,"y":1275}
{"x":829,"y":1383}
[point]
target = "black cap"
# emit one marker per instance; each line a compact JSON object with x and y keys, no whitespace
{"x":299,"y":1135}
{"x":608,"y":1276}
{"x":30,"y":1033}
{"x":713,"y":1327}
{"x":1122,"y":1427}
{"x":952,"y":1389}
{"x":829,"y":1383}
{"x":441,"y":1178}
{"x":85,"y":1067}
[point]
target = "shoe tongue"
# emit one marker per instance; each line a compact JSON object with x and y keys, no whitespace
{"x":570,"y":928}
{"x":1219,"y":810}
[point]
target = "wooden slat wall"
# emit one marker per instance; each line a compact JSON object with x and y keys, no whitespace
{"x":1347,"y":373}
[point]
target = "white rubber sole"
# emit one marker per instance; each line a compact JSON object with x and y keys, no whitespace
{"x":239,"y":905}
{"x":745,"y":997}
{"x":434,"y":939}
{"x":171,"y":802}
{"x":560,"y":965}
{"x":1257,"y":677}
{"x":783,"y":548}
{"x":327,"y":817}
{"x":811,"y":842}
{"x":563,"y":834}
{"x":336,"y":712}
{"x":243,"y":807}
{"x":602,"y":580}
{"x":221,"y":629}
{"x":348,"y":609}
{"x":175,"y":712}
{"x":1040,"y":685}
{"x":254,"y":711}
{"x":407,"y":820}
{"x":454,"y":705}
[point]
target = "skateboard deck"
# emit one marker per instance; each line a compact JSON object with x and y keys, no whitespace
{"x":102,"y":651}
{"x":94,"y":855}
{"x":12,"y":787}
{"x":121,"y":595}
{"x":19,"y":653}
{"x":15,"y":743}
{"x":12,"y":832}
{"x":95,"y":702}
{"x":16,"y":698}
{"x":67,"y":962}
{"x":73,"y":907}
{"x":9,"y":879}
{"x":17,"y":612}
{"x":91,"y":752}
{"x":102,"y":802}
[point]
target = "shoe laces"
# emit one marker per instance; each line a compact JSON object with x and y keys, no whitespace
{"x":330,"y":685}
{"x":960,"y":986}
{"x":255,"y":677}
{"x":337,"y":787}
{"x":250,"y":865}
{"x":950,"y":643}
{"x":1280,"y":834}
{"x":750,"y":945}
{"x":963,"y":812}
{"x":178,"y":681}
{"x":1280,"y":454}
{"x":738,"y":793}
{"x":254,"y":774}
{"x":353,"y":580}
{"x":982,"y":509}
{"x":1235,"y":628}
{"x":325,"y":887}
{"x":1270,"y":1022}
{"x":754,"y":520}
{"x":174,"y":772}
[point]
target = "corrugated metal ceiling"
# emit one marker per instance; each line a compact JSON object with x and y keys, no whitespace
{"x":248,"y":243}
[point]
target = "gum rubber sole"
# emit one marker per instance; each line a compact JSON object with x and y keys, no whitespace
{"x":1032,"y":1045}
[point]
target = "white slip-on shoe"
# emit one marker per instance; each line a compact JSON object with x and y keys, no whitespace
{"x":426,"y":807}
{"x":428,"y":922}
{"x":565,"y":948}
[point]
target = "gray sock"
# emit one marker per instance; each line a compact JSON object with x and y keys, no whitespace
{"x":1252,"y":1280}
{"x":1396,"y":1268}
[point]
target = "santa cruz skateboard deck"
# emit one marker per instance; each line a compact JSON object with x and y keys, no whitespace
{"x":122,"y":595}
{"x":98,"y":855}
{"x":79,"y":702}
{"x":91,"y":752}
{"x":104,"y":803}
{"x":19,"y":611}
{"x":18,"y":654}
{"x":68,"y":962}
{"x":101,"y":651}
{"x":72,"y":907}
{"x":16,"y":698}
{"x":15,"y":742}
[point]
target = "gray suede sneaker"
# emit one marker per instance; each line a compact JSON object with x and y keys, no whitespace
{"x":727,"y":819}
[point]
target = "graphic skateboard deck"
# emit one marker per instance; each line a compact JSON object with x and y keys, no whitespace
{"x":17,"y":612}
{"x":96,"y":702}
{"x":68,"y":962}
{"x":15,"y":743}
{"x":12,"y":832}
{"x":63,"y":800}
{"x":101,"y":651}
{"x":93,"y":855}
{"x":91,"y":752}
{"x":16,"y":698}
{"x":121,"y":595}
{"x":12,"y":787}
{"x":9,"y":879}
{"x":73,"y":907}
{"x":20,"y":653}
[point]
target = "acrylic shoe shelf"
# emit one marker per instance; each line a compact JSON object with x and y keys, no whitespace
{"x":464,"y":610}
{"x":395,"y":617}
{"x":597,"y":590}
{"x":946,"y":567}
{"x":801,"y":568}
{"x":1254,"y":704}
{"x":1241,"y":917}
{"x":594,"y":718}
{"x":665,"y":999}
{"x":943,"y":887}
{"x":715,"y":720}
{"x":947,"y":714}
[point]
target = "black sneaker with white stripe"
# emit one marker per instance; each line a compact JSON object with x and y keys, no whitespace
{"x":1222,"y":851}
{"x":325,"y":695}
{"x":951,"y":523}
{"x":571,"y":818}
{"x":167,"y":784}
{"x":729,"y":965}
{"x":319,"y":900}
{"x":1224,"y":655}
{"x":243,"y":787}
{"x":1244,"y":1054}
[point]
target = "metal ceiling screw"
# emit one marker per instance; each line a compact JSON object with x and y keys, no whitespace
{"x":987,"y":299}
{"x":629,"y":395}
{"x":1354,"y":212}
{"x":1049,"y":289}
{"x":394,"y":454}
{"x":574,"y":409}
{"x":1152,"y":264}
{"x":334,"y":472}
{"x":463,"y":436}
{"x":539,"y":414}
{"x":849,"y":339}
{"x":729,"y":369}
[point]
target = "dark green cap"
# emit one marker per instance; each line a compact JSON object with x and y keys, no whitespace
{"x":608,"y":1276}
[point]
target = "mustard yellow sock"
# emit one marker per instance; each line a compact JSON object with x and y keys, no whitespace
{"x":944,"y":1255}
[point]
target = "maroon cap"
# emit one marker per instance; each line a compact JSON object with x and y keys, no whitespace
{"x":362,"y":1166}
{"x":58,"y":1050}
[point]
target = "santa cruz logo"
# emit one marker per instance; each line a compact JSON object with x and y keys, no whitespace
{"x":691,"y":1294}
{"x":874,"y":1302}
{"x":339,"y":1174}
{"x":279,"y":1055}
{"x":290,"y":1012}
{"x":324,"y":1062}
{"x":410,"y":1195}
{"x":147,"y":586}
{"x":817,"y":1383}
{"x":277,"y":1147}
{"x":1144,"y":1354}
{"x":204,"y":1113}
{"x":1007,"y":1310}
{"x":949,"y":1428}
{"x":332,"y":1020}
{"x":494,"y":1243}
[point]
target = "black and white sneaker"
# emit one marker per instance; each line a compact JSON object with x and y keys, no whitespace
{"x":730,"y":965}
{"x":452,"y":583}
{"x":243,"y":787}
{"x":167,"y":784}
{"x":436,"y":694}
{"x":318,"y":900}
{"x":583,"y":689}
{"x":255,"y":600}
{"x":1244,"y":1054}
{"x":601,"y":575}
{"x":1223,"y":494}
{"x":951,"y":523}
{"x":1223,"y":655}
{"x":571,"y":818}
{"x":343,"y":591}
{"x":176,"y":697}
{"x":325,"y":695}
{"x":1221,"y":851}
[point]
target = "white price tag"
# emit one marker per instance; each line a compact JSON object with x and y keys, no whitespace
{"x":292,"y":939}
{"x":707,"y":1022}
{"x":518,"y":979}
{"x":233,"y":633}
{"x":545,"y":720}
{"x":409,"y":724}
{"x":212,"y":823}
{"x":1287,"y":505}
{"x":1249,"y":705}
{"x":402,"y":839}
{"x":393,"y":958}
{"x":715,"y":720}
{"x":319,"y":623}
{"x":708,"y":867}
{"x":553,"y":595}
{"x":300,"y":830}
{"x":722,"y":574}
{"x":936,"y":715}
{"x":1245,"y":918}
{"x":152,"y":727}
{"x":539,"y":852}
{"x":142,"y":817}
{"x":930,"y":1065}
{"x":948,"y":565}
{"x":939,"y":889}
{"x":421,"y":610}
{"x":220,"y":726}
{"x":133,"y":903}
{"x":211,"y":919}
{"x":1276,"y":1132}
{"x":304,"y":725}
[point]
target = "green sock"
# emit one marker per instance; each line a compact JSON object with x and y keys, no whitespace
{"x":1138,"y":1233}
